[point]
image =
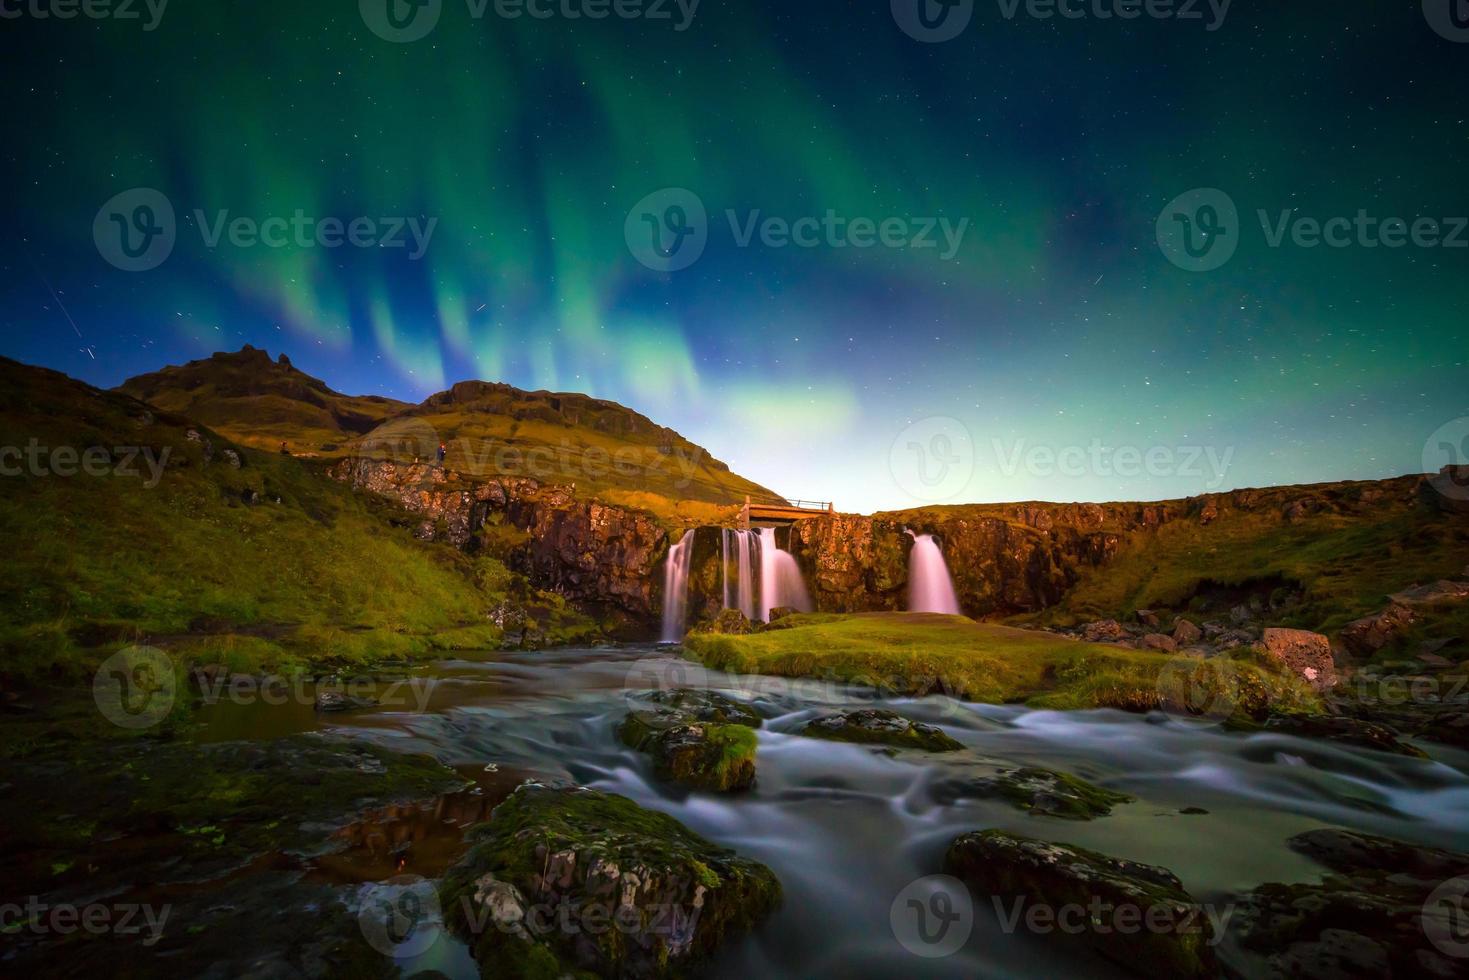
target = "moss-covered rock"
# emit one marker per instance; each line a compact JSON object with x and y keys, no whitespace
{"x":1378,"y":914}
{"x":878,"y":726}
{"x":1043,"y":792}
{"x":1336,"y":728}
{"x":729,"y":622}
{"x":1112,"y":892}
{"x":698,"y":739}
{"x":565,"y":880}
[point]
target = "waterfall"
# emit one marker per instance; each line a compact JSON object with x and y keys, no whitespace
{"x":739,"y":592}
{"x":780,"y":578}
{"x":930,"y":589}
{"x":676,"y":588}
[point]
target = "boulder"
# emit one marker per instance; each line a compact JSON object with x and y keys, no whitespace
{"x":1041,"y":792}
{"x":334,"y":701}
{"x":1381,"y":913}
{"x":1186,"y":634}
{"x":699,"y":739}
{"x":1107,"y":893}
{"x":1365,"y":636}
{"x":1148,"y":618}
{"x":567,"y":881}
{"x":781,"y":612}
{"x":878,"y":726}
{"x":1348,"y":731}
{"x":1303,"y":652}
{"x":1159,"y":641}
{"x":730,"y":622}
{"x":1103,"y":631}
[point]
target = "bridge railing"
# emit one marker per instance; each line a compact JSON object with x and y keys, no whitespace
{"x":788,"y":502}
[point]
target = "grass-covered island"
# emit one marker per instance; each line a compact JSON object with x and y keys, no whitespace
{"x":923,"y":653}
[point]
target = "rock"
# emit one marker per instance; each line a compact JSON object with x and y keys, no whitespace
{"x":1371,"y":918}
{"x":1158,"y":641}
{"x":231,"y":457}
{"x":1365,"y":636}
{"x":698,"y":739}
{"x":1348,"y":731}
{"x":1148,"y":618}
{"x":1241,"y":614}
{"x":878,"y":726}
{"x":1305,"y":653}
{"x":332,"y":701}
{"x":781,"y":612}
{"x":1178,"y":941}
{"x":1186,"y":634}
{"x":730,"y":622}
{"x":580,"y":881}
{"x":1041,"y":792}
{"x":1103,"y":631}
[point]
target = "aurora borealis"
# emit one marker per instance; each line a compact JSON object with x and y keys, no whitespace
{"x":1055,"y":143}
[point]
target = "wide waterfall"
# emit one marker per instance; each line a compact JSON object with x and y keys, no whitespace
{"x":739,"y":591}
{"x":676,"y":588}
{"x":780,"y":578}
{"x":930,"y":589}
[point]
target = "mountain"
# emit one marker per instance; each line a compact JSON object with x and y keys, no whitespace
{"x":491,"y":431}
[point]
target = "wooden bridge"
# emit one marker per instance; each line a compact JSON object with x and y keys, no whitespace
{"x":781,"y":511}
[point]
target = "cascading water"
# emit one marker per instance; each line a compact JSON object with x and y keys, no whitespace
{"x":930,"y":589}
{"x":676,"y":588}
{"x":739,"y":592}
{"x":780,"y":578}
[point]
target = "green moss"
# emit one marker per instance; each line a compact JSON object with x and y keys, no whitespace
{"x":870,"y":726}
{"x":574,"y":844}
{"x":918,"y":654}
{"x":1049,"y":793}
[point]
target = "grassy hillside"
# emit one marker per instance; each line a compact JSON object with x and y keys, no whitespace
{"x":1342,"y":548}
{"x":913,"y":653}
{"x":490,"y":430}
{"x":268,"y":566}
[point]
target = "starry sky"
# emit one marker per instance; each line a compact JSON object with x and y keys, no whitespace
{"x":1061,"y":339}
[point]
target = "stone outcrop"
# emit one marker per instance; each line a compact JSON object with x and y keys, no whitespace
{"x":594,"y":554}
{"x":1304,"y":653}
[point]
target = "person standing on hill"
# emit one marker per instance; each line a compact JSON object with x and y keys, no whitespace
{"x":442,"y":453}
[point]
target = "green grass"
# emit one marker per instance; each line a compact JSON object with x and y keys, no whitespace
{"x":907,"y":653}
{"x":1346,"y":564}
{"x":309,"y":573}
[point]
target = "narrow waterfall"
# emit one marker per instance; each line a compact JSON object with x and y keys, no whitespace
{"x":739,"y":591}
{"x":780,"y":578}
{"x":930,"y":589}
{"x":676,"y":588}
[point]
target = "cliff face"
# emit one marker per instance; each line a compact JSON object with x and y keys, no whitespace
{"x":596,"y":555}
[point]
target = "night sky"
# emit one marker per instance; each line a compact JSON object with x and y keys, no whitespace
{"x":1055,"y":144}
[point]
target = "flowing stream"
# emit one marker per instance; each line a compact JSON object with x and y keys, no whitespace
{"x":846,"y":828}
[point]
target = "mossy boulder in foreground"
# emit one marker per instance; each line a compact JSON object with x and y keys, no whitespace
{"x":567,"y":880}
{"x":1136,"y":914}
{"x":878,"y":726}
{"x":1043,"y":792}
{"x":699,"y":739}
